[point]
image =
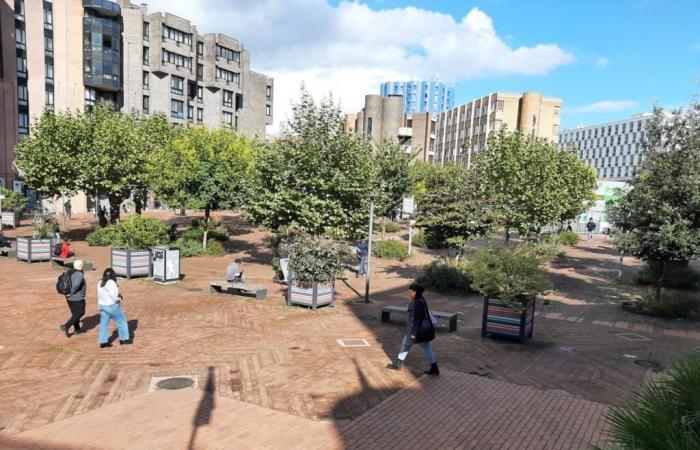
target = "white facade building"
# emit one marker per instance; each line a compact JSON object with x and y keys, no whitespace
{"x":614,"y":149}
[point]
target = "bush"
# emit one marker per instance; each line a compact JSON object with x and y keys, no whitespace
{"x":190,"y":248}
{"x":664,"y":414}
{"x":569,"y":238}
{"x":390,"y":249}
{"x":387,"y":227}
{"x":44,"y":226}
{"x":419,"y":240}
{"x":134,"y":233}
{"x":445,"y":277}
{"x":13,"y":201}
{"x":315,"y":259}
{"x":197,"y":234}
{"x":679,"y":275}
{"x":672,"y":305}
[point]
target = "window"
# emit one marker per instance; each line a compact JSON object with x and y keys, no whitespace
{"x":200,"y":114}
{"x":145,"y":80}
{"x":200,"y":93}
{"x":227,"y":75}
{"x":146,"y":104}
{"x":22,"y":65}
{"x":639,"y":126}
{"x":268,"y":110}
{"x":500,"y":105}
{"x":20,"y":37}
{"x":228,"y":98}
{"x":200,"y":71}
{"x":177,"y":109}
{"x":48,"y":44}
{"x":200,"y":49}
{"x":49,"y":96}
{"x":48,"y":17}
{"x":177,"y":59}
{"x":268,"y":93}
{"x":49,"y":70}
{"x":146,"y":55}
{"x":228,"y":118}
{"x":228,"y":54}
{"x":177,"y":84}
{"x":146,"y":31}
{"x":190,"y":112}
{"x":176,"y":35}
{"x":90,"y":97}
{"x":22,"y":93}
{"x":19,"y":8}
{"x":23,"y":122}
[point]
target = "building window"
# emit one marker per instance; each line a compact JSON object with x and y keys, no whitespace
{"x":177,"y":59}
{"x":268,"y":110}
{"x":200,"y":114}
{"x":227,"y":75}
{"x":19,"y":8}
{"x":177,"y":84}
{"x":146,"y":104}
{"x":176,"y":35}
{"x":268,"y":93}
{"x":22,"y":65}
{"x":90,"y":97}
{"x":228,"y":118}
{"x":228,"y":54}
{"x":20,"y":37}
{"x":49,"y":96}
{"x":23,"y":121}
{"x":49,"y":70}
{"x":48,"y":16}
{"x":190,"y":112}
{"x":146,"y":56}
{"x":145,"y":80}
{"x":228,"y":98}
{"x":200,"y":71}
{"x":48,"y":44}
{"x":146,"y":31}
{"x":22,"y":93}
{"x":200,"y":93}
{"x":200,"y":49}
{"x":177,"y":109}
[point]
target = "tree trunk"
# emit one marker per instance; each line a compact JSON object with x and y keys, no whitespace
{"x":114,"y":203}
{"x":138,"y":203}
{"x":660,"y":279}
{"x":207,"y":212}
{"x":507,"y":235}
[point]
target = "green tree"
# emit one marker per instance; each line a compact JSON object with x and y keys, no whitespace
{"x":314,"y":177}
{"x":577,"y":184}
{"x":658,"y":218}
{"x":392,"y":178}
{"x":203,"y":169}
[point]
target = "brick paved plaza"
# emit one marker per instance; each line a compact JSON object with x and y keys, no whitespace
{"x":270,"y":376}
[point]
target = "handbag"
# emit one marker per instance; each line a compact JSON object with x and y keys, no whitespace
{"x":426,"y":331}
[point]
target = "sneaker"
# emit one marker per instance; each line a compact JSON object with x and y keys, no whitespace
{"x":64,"y":330}
{"x":433,"y":370}
{"x":106,"y":344}
{"x":394,"y":365}
{"x":80,"y":332}
{"x":127,"y":342}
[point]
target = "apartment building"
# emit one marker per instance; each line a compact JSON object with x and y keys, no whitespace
{"x":463,"y":130}
{"x":72,"y":54}
{"x":421,"y":96}
{"x":614,"y":149}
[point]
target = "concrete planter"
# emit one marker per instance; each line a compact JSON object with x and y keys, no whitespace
{"x":502,"y":320}
{"x":131,"y":263}
{"x":312,"y":295}
{"x":10,"y":219}
{"x":34,"y":249}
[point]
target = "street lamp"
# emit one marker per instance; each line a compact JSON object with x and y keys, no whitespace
{"x":369,"y":251}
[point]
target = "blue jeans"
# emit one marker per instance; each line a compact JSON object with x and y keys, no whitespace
{"x":406,"y":345}
{"x":112,"y":312}
{"x":363,"y":265}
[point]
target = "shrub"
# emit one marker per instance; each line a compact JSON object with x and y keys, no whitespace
{"x":390,"y":249}
{"x":419,"y":240}
{"x":664,"y":414}
{"x":445,"y":277}
{"x":434,"y":241}
{"x":387,"y":227}
{"x":134,"y":233}
{"x":13,"y":201}
{"x":679,"y":275}
{"x":315,"y":259}
{"x":197,"y":234}
{"x":671,"y":305}
{"x":569,"y":238}
{"x":190,"y":248}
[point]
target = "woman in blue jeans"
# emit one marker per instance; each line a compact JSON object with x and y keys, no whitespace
{"x":109,"y":302}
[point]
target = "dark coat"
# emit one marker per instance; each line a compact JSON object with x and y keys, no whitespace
{"x":78,"y":287}
{"x":590,"y":226}
{"x":417,"y":312}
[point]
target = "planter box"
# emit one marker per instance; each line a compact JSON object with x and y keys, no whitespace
{"x":506,"y":321}
{"x":314,"y":295}
{"x":130,"y":263}
{"x":34,"y":249}
{"x":10,"y":219}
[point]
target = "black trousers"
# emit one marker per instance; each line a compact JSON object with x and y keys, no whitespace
{"x":77,"y":310}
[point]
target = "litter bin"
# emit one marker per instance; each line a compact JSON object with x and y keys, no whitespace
{"x":166,"y":264}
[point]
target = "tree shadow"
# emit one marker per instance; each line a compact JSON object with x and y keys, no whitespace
{"x":206,"y":405}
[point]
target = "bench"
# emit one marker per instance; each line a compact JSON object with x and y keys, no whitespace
{"x":239,"y":288}
{"x":68,"y":262}
{"x":450,"y":317}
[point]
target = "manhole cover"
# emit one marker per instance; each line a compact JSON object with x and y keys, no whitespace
{"x":648,"y":364}
{"x":175,"y":383}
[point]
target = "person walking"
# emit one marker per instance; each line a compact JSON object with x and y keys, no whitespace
{"x":419,"y":330}
{"x":67,"y":208}
{"x":363,"y":253}
{"x":109,"y":300}
{"x":75,"y":299}
{"x":590,"y":226}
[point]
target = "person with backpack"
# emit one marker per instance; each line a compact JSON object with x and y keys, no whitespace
{"x":590,"y":226}
{"x":71,"y":283}
{"x":109,"y":300}
{"x":420,"y":330}
{"x":63,"y":250}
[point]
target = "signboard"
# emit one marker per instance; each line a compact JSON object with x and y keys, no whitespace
{"x":408,"y":205}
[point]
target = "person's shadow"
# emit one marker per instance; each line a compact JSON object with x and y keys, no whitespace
{"x":203,"y":414}
{"x":92,"y":322}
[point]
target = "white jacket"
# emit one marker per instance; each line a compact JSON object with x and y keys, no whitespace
{"x":108,"y":294}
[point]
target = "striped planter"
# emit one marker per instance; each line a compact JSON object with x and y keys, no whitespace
{"x":131,"y":263}
{"x":506,"y":321}
{"x":313,"y":295}
{"x":34,"y":249}
{"x":10,"y":219}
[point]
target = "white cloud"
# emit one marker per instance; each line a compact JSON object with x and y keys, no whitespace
{"x":601,"y":62}
{"x":606,"y":106}
{"x":350,"y":48}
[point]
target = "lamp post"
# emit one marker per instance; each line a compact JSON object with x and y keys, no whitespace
{"x":369,"y":251}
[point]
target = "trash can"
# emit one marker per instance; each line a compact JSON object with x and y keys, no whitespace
{"x":166,"y":264}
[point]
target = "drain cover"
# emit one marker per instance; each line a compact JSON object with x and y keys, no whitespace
{"x":175,"y":383}
{"x":648,"y":364}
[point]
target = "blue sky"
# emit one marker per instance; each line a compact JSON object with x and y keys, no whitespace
{"x":607,"y":59}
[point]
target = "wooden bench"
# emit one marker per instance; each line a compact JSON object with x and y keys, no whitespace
{"x":239,"y":288}
{"x":450,"y":317}
{"x":68,"y":262}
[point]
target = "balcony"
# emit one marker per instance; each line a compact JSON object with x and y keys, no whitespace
{"x":105,"y":8}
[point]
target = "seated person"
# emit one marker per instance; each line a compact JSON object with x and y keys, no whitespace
{"x":233,"y":272}
{"x":3,"y":241}
{"x":66,"y":250}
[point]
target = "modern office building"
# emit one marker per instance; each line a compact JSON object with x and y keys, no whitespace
{"x":383,"y":120}
{"x":421,"y":96}
{"x":614,"y":149}
{"x":463,"y":130}
{"x":72,"y":54}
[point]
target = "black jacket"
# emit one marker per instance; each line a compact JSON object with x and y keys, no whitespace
{"x":417,"y":312}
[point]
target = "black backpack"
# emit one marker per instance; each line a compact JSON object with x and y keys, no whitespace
{"x":64,"y":285}
{"x":57,"y":249}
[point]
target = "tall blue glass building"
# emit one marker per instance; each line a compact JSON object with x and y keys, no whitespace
{"x":421,"y":96}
